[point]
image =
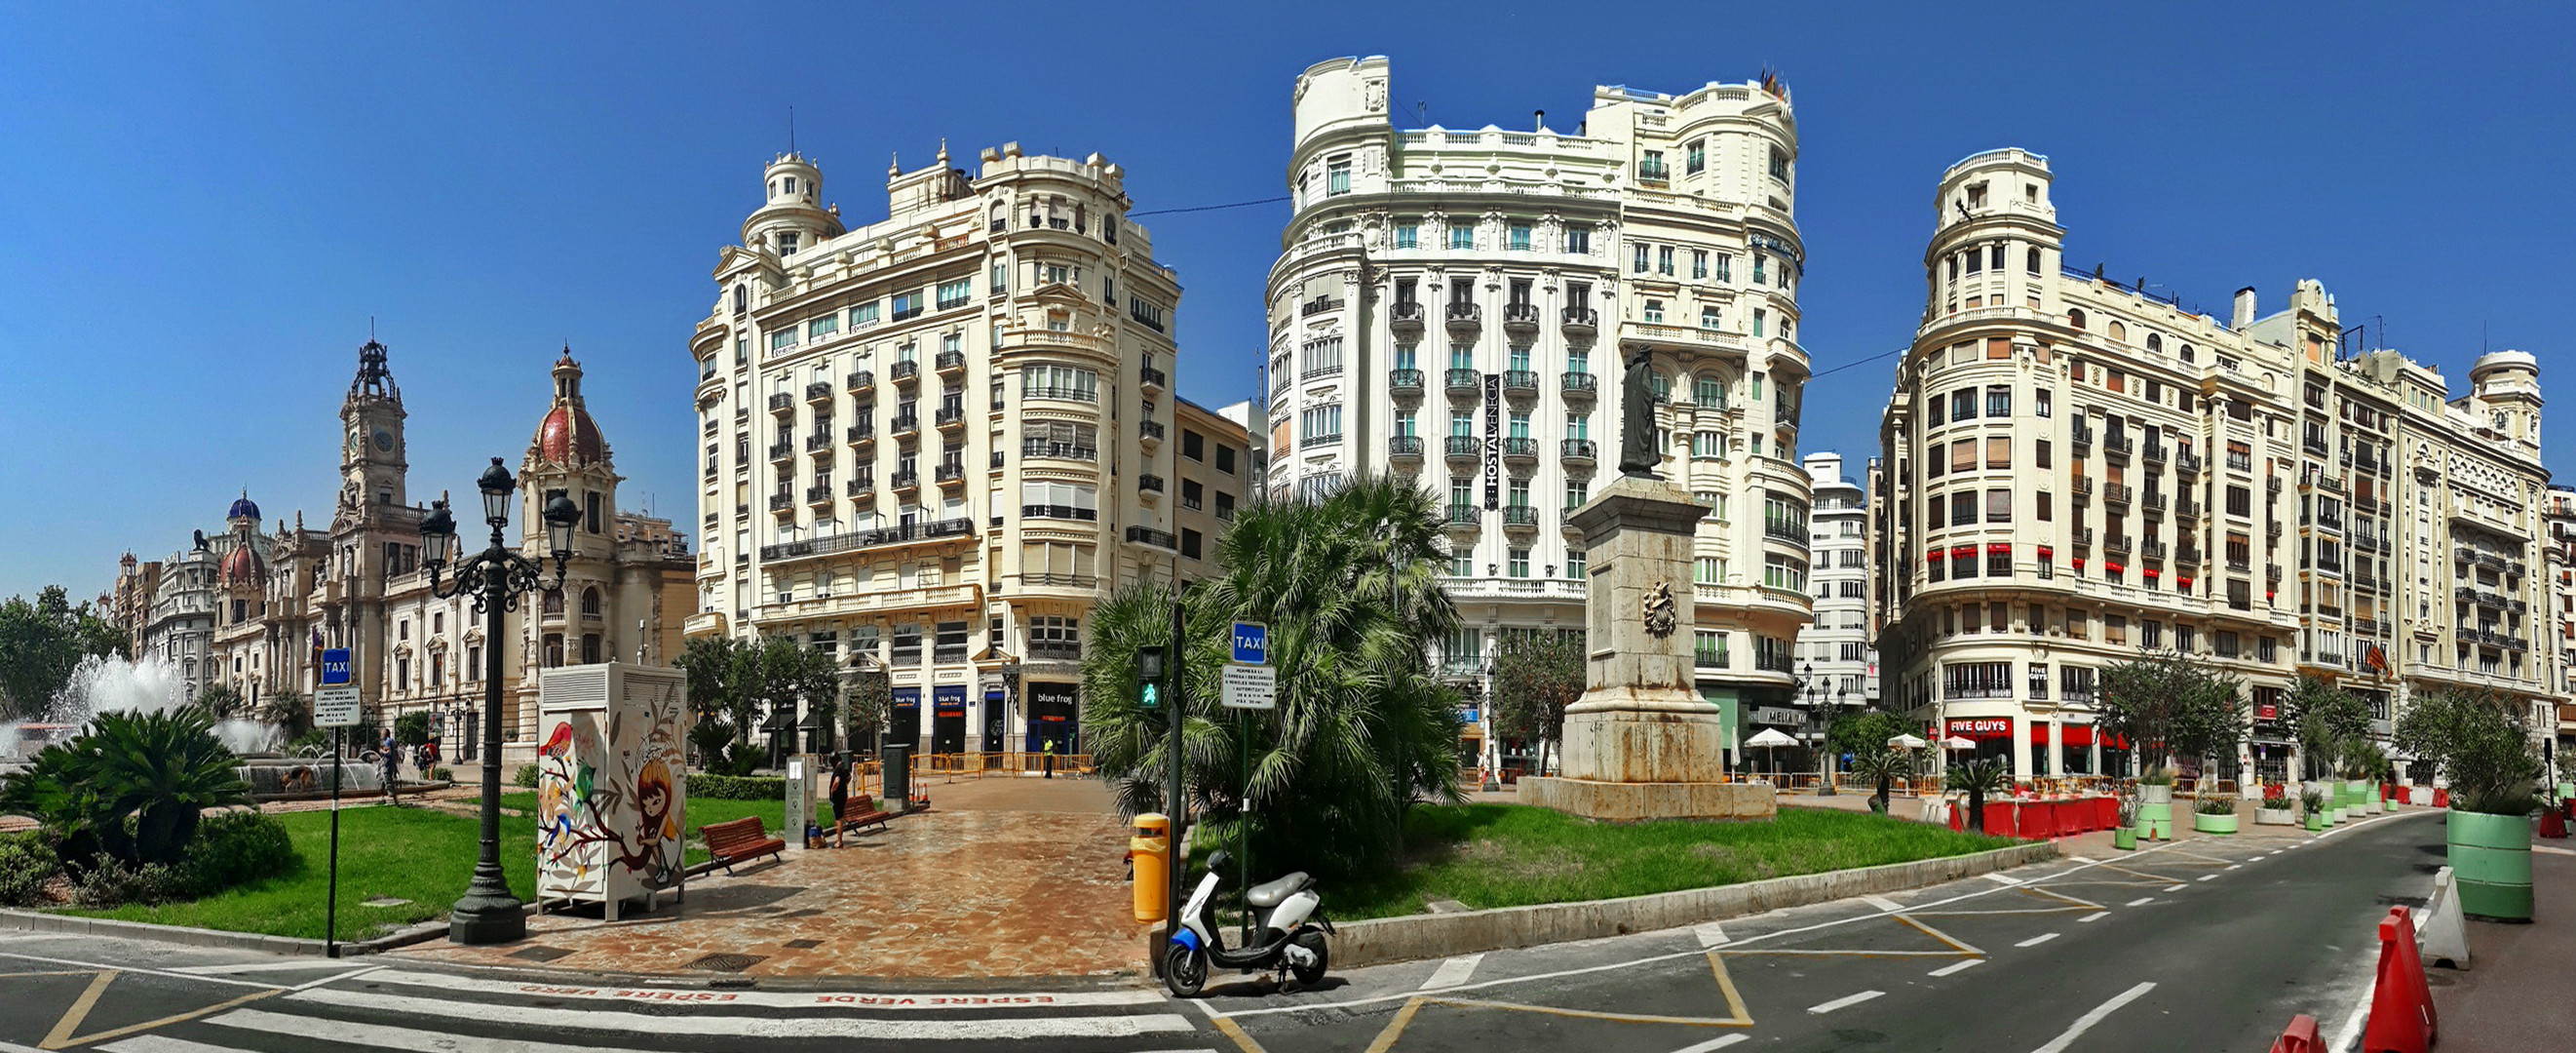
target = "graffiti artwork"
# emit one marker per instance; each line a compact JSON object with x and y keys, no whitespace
{"x":609,"y":800}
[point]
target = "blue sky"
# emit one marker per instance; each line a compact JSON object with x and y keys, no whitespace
{"x":201,"y":206}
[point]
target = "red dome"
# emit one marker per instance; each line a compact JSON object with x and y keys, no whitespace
{"x":568,"y":437}
{"x":240,"y":567}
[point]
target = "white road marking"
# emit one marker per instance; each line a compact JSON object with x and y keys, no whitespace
{"x":1720,"y":1042}
{"x":1882,"y":903}
{"x":1844,"y":1002}
{"x":143,"y":970}
{"x":12,"y":1047}
{"x":163,"y":1044}
{"x":2554,"y":850}
{"x":2082,"y":859}
{"x":2232,"y":866}
{"x":381,"y":1036}
{"x":262,"y":967}
{"x":2177,"y":887}
{"x":1451,"y":973}
{"x":2002,"y":880}
{"x":878,"y":1029}
{"x":2037,"y":940}
{"x":2096,"y":915}
{"x":2142,"y":901}
{"x":1957,"y":967}
{"x":1711,"y":934}
{"x":2206,"y":877}
{"x":2085,"y":1023}
{"x":765,"y":999}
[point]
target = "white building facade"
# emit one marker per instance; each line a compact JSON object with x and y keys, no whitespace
{"x":933,"y":441}
{"x":2074,"y":474}
{"x":1457,"y":306}
{"x":1837,"y":648}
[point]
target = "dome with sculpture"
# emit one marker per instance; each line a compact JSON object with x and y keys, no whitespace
{"x":567,"y":435}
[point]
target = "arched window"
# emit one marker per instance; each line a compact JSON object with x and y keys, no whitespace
{"x":2119,"y":332}
{"x":741,"y":299}
{"x":1709,"y":390}
{"x":1660,"y":384}
{"x":2189,"y":355}
{"x":2030,"y":261}
{"x":553,"y":603}
{"x":999,"y":217}
{"x":2155,"y":344}
{"x":2075,"y":317}
{"x":590,"y":602}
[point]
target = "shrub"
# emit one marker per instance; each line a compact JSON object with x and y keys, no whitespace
{"x":130,"y":787}
{"x":2216,"y":806}
{"x":442,"y":775}
{"x":2312,"y":802}
{"x":2156,"y":777}
{"x":412,"y":729}
{"x":526,"y":779}
{"x":314,"y":743}
{"x":231,"y":849}
{"x":112,"y":883}
{"x":737,"y":787}
{"x":26,"y":864}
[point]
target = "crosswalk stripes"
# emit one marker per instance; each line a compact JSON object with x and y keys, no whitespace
{"x":424,"y":1011}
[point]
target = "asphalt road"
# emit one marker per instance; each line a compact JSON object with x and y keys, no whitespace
{"x":2207,"y":945}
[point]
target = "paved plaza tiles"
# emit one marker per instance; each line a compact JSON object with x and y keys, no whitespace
{"x":1007,"y":877}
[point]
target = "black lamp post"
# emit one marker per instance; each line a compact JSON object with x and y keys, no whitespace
{"x":495,"y":578}
{"x":1821,"y":717}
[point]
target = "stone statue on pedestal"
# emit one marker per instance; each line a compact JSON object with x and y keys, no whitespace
{"x":1637,"y":454}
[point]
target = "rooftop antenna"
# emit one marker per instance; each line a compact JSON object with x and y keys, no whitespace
{"x":1422,"y":112}
{"x":791,"y":129}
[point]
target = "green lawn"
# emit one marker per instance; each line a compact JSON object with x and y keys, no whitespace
{"x":418,"y":854}
{"x":1509,"y":855}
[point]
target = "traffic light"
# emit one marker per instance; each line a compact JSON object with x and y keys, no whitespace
{"x":1149,"y":677}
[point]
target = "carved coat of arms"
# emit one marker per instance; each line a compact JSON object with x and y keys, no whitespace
{"x":1659,"y":610}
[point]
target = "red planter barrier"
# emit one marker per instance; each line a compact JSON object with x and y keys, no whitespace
{"x":1999,"y":819}
{"x":2401,"y":1003}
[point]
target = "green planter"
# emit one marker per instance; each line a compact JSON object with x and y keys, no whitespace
{"x":2155,"y":813}
{"x":2206,"y":823}
{"x":2491,"y":856}
{"x":2316,"y":821}
{"x":2124,"y":839}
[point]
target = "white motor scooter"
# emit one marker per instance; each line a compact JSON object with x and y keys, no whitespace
{"x":1291,"y":940}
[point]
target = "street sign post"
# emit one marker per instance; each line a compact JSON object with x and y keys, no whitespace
{"x":335,"y":706}
{"x":1249,"y":682}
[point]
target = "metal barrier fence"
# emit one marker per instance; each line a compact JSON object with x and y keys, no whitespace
{"x":1013,"y":763}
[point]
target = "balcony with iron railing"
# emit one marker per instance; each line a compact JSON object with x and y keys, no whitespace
{"x":1520,"y":319}
{"x":782,"y":401}
{"x":1579,"y":323}
{"x":863,"y":486}
{"x":835,"y":544}
{"x":862,"y":380}
{"x":1578,"y":385}
{"x":1406,"y":318}
{"x":2083,"y":486}
{"x":907,"y":425}
{"x":2187,"y":463}
{"x":2186,"y":508}
{"x":2083,"y":442}
{"x":2116,"y":544}
{"x":1521,"y":383}
{"x":904,"y":481}
{"x":2116,"y":493}
{"x":2155,"y":453}
{"x":1465,"y":515}
{"x":1520,"y":517}
{"x":1404,"y":383}
{"x":820,"y":440}
{"x":2118,"y":447}
{"x":782,"y":502}
{"x":1404,"y":448}
{"x":2188,"y":556}
{"x":1162,"y":539}
{"x":905,"y":372}
{"x":2155,"y":548}
{"x":818,"y":391}
{"x":783,"y":449}
{"x":950,"y":472}
{"x":1464,"y":382}
{"x":1318,"y":305}
{"x":1464,"y":318}
{"x":1152,"y":484}
{"x":1463,"y":448}
{"x":1520,"y":449}
{"x":1066,"y":451}
{"x":950,"y":363}
{"x":951,"y":417}
{"x":819,"y":495}
{"x":2155,"y":500}
{"x":1149,"y":430}
{"x":1151,"y":379}
{"x":1786,"y":532}
{"x":1577,"y":450}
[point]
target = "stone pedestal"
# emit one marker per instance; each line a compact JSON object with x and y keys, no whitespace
{"x":1641,"y":744}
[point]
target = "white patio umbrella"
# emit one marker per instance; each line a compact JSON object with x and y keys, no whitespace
{"x":1769,"y":739}
{"x":1955,"y":742}
{"x":1906,"y":742}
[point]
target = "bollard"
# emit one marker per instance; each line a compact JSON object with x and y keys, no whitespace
{"x":1149,"y":852}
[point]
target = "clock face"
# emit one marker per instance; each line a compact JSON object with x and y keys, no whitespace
{"x":384,"y":440}
{"x":357,"y":438}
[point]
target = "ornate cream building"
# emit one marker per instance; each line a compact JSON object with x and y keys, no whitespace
{"x":276,"y":598}
{"x":1457,"y":304}
{"x":2074,"y":473}
{"x":934,"y":441}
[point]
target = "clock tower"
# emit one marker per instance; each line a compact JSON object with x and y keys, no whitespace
{"x":371,"y":437}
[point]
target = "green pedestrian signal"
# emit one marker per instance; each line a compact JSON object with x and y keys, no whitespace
{"x":1153,"y":697}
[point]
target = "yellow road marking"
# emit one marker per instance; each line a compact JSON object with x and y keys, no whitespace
{"x":61,"y":1035}
{"x":56,"y":972}
{"x":1944,"y":937}
{"x":1734,"y":1002}
{"x":1242,"y":1039}
{"x":173,"y":1018}
{"x":1395,"y":1028}
{"x":1589,"y":1014}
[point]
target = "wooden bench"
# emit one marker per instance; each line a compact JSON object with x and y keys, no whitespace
{"x":739,"y":841}
{"x":863,"y":814}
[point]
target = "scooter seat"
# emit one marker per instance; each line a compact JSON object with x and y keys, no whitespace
{"x":1270,"y":894}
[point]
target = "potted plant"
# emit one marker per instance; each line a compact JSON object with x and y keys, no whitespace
{"x":2154,"y":820}
{"x":2214,"y":815}
{"x":2482,"y":741}
{"x":2125,"y":836}
{"x":2276,"y":809}
{"x":2362,"y":762}
{"x":2313,"y":804}
{"x":1977,"y":778}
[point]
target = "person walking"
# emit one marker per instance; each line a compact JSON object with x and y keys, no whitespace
{"x":392,"y":755}
{"x":1048,"y":753}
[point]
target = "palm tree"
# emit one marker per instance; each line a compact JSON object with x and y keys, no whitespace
{"x":1977,"y":778}
{"x":1883,"y":765}
{"x":1349,"y":585}
{"x":288,"y":712}
{"x":163,"y":769}
{"x":221,"y":701}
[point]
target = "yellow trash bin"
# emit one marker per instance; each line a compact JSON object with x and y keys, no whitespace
{"x":1149,"y":852}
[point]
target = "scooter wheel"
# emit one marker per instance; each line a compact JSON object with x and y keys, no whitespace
{"x":1185,"y":971}
{"x":1310,"y":975}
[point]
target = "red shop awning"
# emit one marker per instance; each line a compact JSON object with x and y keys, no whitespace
{"x":1999,"y":550}
{"x":1937,"y":554}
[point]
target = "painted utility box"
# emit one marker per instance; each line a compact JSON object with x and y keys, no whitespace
{"x":611,"y":784}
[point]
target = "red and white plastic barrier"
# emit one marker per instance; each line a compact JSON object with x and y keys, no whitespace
{"x":2299,"y":1037}
{"x":2401,"y":1003}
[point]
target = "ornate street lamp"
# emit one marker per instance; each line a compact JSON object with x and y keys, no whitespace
{"x":495,"y":578}
{"x":1820,"y":717}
